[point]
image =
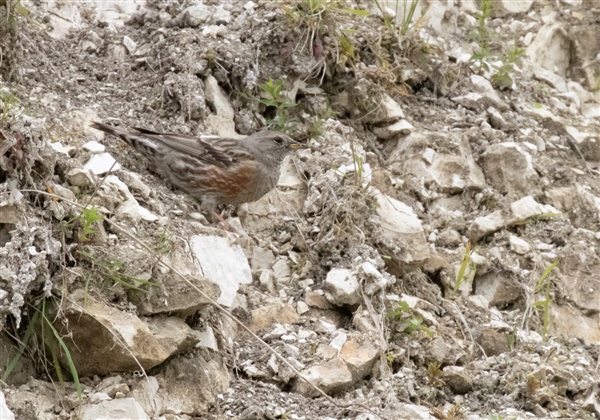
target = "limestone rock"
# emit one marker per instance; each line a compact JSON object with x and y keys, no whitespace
{"x":342,"y":287}
{"x":102,"y":339}
{"x":508,"y":167}
{"x":360,"y":355}
{"x":501,"y":8}
{"x":402,"y":226}
{"x":222,"y":263}
{"x":498,"y":287}
{"x":458,"y":379}
{"x":492,"y":341}
{"x":190,"y":384}
{"x":332,"y":377}
{"x":4,"y":410}
{"x":550,"y":48}
{"x":123,"y":408}
{"x":268,"y":315}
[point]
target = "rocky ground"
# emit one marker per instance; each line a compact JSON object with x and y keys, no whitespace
{"x":431,"y":254}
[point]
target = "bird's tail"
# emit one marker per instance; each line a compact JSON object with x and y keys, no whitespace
{"x":135,"y":139}
{"x":115,"y":131}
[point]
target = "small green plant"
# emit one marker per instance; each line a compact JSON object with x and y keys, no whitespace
{"x":408,"y":13}
{"x":467,"y":269}
{"x":85,"y":222}
{"x":544,"y":285}
{"x":164,"y":244}
{"x":41,"y":322}
{"x":502,"y":79}
{"x":273,"y":97}
{"x":434,"y":374}
{"x":321,"y":18}
{"x":113,"y":272}
{"x":482,"y":36}
{"x":8,"y":104}
{"x":89,"y":217}
{"x":407,"y":16}
{"x":404,"y":319}
{"x":537,"y":218}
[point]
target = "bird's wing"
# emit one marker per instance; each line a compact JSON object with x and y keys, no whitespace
{"x":207,"y":148}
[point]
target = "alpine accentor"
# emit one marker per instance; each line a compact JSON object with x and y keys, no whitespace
{"x":212,"y":169}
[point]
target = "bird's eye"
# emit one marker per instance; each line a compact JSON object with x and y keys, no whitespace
{"x":278,"y":140}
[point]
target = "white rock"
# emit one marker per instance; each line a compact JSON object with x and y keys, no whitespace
{"x":207,"y":339}
{"x":130,"y":44}
{"x":221,"y":263}
{"x":134,"y":182}
{"x":102,"y":163}
{"x":590,"y":110}
{"x":400,"y":224}
{"x":60,"y":148}
{"x":214,"y":31}
{"x":94,"y":147}
{"x":97,"y":397}
{"x":527,"y":207}
{"x":519,"y":245}
{"x":370,"y":270}
{"x":390,"y":110}
{"x":130,"y":206}
{"x":578,"y":136}
{"x":529,"y":336}
{"x":470,"y":101}
{"x":331,"y":376}
{"x":133,"y":210}
{"x":221,"y":15}
{"x":544,"y":75}
{"x":195,"y":15}
{"x":5,"y":413}
{"x":483,"y":226}
{"x":289,"y":177}
{"x":276,"y":332}
{"x":302,"y":307}
{"x":339,"y":341}
{"x":63,"y":192}
{"x":80,"y":178}
{"x":342,"y":287}
{"x":266,"y":280}
{"x":503,"y":8}
{"x":400,"y":128}
{"x":415,"y":412}
{"x":428,"y":155}
{"x":261,"y":258}
{"x":281,"y":269}
{"x":216,"y":97}
{"x":481,"y":84}
{"x":305,"y":334}
{"x":582,"y":93}
{"x":480,"y":301}
{"x":550,"y":48}
{"x":327,"y":326}
{"x":124,"y":408}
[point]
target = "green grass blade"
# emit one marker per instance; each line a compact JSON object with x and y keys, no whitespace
{"x":22,"y":345}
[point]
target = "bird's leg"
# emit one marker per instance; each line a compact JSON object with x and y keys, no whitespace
{"x":225,"y":223}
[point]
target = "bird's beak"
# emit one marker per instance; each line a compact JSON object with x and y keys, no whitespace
{"x":296,"y":145}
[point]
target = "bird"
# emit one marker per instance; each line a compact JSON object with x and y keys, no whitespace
{"x":212,"y":169}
